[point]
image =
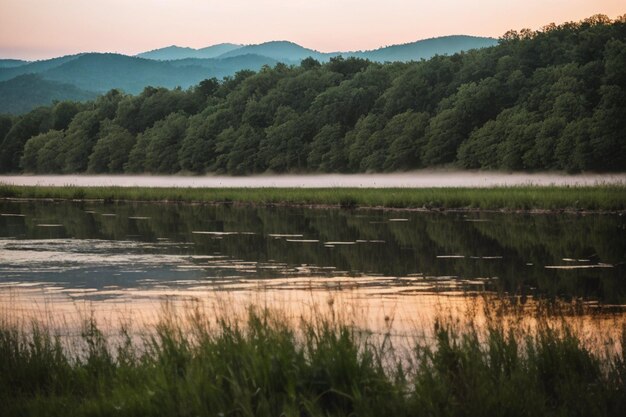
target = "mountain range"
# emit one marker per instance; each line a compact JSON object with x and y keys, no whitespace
{"x":178,"y":52}
{"x":290,"y":52}
{"x":84,"y":76}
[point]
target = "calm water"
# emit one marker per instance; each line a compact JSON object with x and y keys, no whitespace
{"x":60,"y":255}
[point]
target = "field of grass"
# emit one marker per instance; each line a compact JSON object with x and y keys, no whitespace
{"x":210,"y":365}
{"x":602,"y":197}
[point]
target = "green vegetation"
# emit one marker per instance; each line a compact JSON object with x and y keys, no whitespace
{"x":83,"y":75}
{"x":550,"y":99}
{"x":601,"y":197}
{"x":23,"y":93}
{"x":264,"y":366}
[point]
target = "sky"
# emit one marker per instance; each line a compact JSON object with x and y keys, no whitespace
{"x":38,"y":29}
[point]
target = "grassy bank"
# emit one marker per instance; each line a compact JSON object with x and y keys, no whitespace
{"x":603,"y":197}
{"x":264,"y":367}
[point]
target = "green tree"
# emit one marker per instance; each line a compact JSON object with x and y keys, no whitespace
{"x":49,"y":159}
{"x":608,"y":131}
{"x":469,"y":108}
{"x":285,"y":145}
{"x":23,"y":128}
{"x":243,"y":156}
{"x":30,"y":158}
{"x":80,"y":138}
{"x":198,"y":148}
{"x":366,"y":151}
{"x":63,"y":113}
{"x":327,"y":150}
{"x":405,"y":137}
{"x":163,"y":143}
{"x":110,"y":153}
{"x":6,"y":122}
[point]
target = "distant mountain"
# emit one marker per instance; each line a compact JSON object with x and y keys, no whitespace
{"x":25,"y":92}
{"x":283,"y":51}
{"x":11,"y":63}
{"x":168,"y":53}
{"x":216,"y":50}
{"x":175,"y":66}
{"x":177,"y":52}
{"x":102,"y":72}
{"x":427,"y":48}
{"x":290,"y":52}
{"x":35,"y":67}
{"x":223,"y":67}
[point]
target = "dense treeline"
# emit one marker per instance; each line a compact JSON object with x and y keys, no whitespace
{"x":548,"y":99}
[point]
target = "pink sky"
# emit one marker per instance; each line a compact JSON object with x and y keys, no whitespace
{"x":36,"y":29}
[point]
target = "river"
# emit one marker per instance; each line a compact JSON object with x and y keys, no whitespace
{"x":68,"y":259}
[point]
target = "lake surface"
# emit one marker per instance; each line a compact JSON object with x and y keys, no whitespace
{"x":60,"y":257}
{"x":417,"y":179}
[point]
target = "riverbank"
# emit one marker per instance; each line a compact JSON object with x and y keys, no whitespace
{"x":603,"y":198}
{"x":208,"y":363}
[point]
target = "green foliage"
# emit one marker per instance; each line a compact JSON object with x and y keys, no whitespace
{"x":573,"y":198}
{"x":110,"y":153}
{"x":23,"y":128}
{"x":26,"y":92}
{"x":41,"y":153}
{"x":263,"y":365}
{"x":163,"y":142}
{"x":553,"y":99}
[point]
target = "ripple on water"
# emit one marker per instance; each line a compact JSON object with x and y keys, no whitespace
{"x":566,"y":267}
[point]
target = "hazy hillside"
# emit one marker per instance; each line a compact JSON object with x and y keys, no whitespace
{"x":25,"y":92}
{"x":98,"y":73}
{"x":427,"y":48}
{"x":214,"y":51}
{"x":283,"y":51}
{"x":177,"y":52}
{"x":11,"y":63}
{"x":228,"y":66}
{"x":35,"y":67}
{"x":289,"y":52}
{"x":168,"y":53}
{"x":102,"y":72}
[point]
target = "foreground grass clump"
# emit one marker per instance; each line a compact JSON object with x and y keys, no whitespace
{"x":601,"y":197}
{"x":265,"y":367}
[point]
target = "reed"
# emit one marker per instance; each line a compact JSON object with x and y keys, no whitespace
{"x":264,"y":365}
{"x":575,"y":198}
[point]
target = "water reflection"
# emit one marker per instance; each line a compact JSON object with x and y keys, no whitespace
{"x":122,"y":252}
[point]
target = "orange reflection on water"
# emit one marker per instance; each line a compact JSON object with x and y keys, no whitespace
{"x":407,"y":314}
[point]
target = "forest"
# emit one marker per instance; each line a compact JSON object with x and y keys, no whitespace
{"x":551,"y":99}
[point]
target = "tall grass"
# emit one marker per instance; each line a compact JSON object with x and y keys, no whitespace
{"x":601,"y":197}
{"x":214,"y":365}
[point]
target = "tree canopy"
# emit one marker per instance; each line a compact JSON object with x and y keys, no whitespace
{"x":540,"y":100}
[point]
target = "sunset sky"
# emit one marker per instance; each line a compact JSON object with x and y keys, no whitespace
{"x":36,"y":29}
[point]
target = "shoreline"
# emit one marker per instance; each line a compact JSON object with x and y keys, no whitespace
{"x":610,"y":199}
{"x":504,"y":210}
